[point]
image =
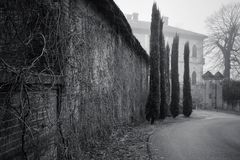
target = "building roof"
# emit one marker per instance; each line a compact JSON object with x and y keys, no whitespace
{"x":218,"y":76}
{"x":144,"y":25}
{"x":208,"y":76}
{"x":110,"y":11}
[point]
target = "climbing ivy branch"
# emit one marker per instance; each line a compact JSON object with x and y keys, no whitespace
{"x":31,"y":32}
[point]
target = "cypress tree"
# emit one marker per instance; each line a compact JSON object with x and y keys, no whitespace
{"x":174,"y":78}
{"x":162,"y":71}
{"x":167,"y":51}
{"x":154,"y":97}
{"x":187,"y":97}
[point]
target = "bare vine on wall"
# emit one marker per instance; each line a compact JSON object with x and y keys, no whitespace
{"x":30,"y":46}
{"x":34,"y":43}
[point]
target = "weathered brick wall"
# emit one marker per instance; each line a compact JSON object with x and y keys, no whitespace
{"x":105,"y":85}
{"x":20,"y":44}
{"x":40,"y":126}
{"x":106,"y":81}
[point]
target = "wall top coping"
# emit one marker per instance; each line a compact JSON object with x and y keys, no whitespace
{"x":119,"y":23}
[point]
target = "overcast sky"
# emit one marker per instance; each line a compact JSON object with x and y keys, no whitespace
{"x":186,"y":14}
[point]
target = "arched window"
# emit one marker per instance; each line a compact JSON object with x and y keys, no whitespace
{"x":194,"y":51}
{"x":194,"y":78}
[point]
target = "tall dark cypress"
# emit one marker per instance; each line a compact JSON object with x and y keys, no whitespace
{"x":154,"y":95}
{"x":162,"y":71}
{"x":174,"y":78}
{"x":187,"y":96}
{"x":167,"y":51}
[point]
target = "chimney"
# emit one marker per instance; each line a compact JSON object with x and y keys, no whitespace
{"x":165,"y":20}
{"x":135,"y":16}
{"x":129,"y":17}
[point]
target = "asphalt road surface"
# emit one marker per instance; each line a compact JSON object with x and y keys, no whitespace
{"x":205,"y":136}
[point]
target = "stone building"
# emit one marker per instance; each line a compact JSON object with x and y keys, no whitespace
{"x":141,"y":29}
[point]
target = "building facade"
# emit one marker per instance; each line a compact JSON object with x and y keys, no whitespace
{"x":141,"y":29}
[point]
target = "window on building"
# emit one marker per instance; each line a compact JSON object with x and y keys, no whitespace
{"x":194,"y":51}
{"x":194,"y":78}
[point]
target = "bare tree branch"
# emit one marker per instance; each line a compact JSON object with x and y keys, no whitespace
{"x":224,"y":37}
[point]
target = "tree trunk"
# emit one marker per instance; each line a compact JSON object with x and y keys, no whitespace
{"x":227,"y":66}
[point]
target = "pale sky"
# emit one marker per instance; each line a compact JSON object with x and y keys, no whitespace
{"x":185,"y":14}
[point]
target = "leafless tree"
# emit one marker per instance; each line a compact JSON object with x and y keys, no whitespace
{"x":223,"y":41}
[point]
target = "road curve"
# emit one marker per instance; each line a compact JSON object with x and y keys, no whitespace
{"x":205,"y":136}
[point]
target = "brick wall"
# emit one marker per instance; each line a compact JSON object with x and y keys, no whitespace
{"x":41,"y":126}
{"x":107,"y":82}
{"x":105,"y":85}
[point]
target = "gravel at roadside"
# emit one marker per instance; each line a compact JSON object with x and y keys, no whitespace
{"x":125,"y":143}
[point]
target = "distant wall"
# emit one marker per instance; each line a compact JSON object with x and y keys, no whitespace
{"x":212,"y":94}
{"x":231,"y":95}
{"x":216,"y":95}
{"x":234,"y":106}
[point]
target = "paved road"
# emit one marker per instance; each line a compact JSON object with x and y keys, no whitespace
{"x":206,"y":136}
